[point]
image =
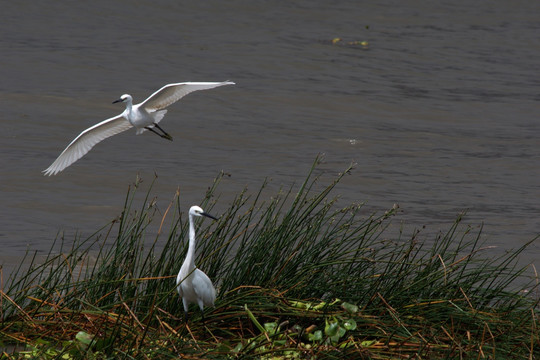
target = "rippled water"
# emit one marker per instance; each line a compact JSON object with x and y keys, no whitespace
{"x":439,"y":110}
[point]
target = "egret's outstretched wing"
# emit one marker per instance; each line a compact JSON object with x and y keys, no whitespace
{"x":171,"y":93}
{"x":86,"y":141}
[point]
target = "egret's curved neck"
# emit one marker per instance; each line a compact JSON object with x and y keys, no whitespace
{"x":129,"y":105}
{"x":190,"y":257}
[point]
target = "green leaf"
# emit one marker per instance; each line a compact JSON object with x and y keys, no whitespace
{"x":224,"y":347}
{"x":367,"y":343}
{"x":41,"y":342}
{"x":349,"y":324}
{"x":335,"y":302}
{"x":271,"y":327}
{"x":333,"y":339}
{"x":253,"y":319}
{"x":300,"y":304}
{"x":331,"y":329}
{"x":350,"y":308}
{"x":280,"y":342}
{"x":315,"y":336}
{"x":238,"y":347}
{"x":84,"y":338}
{"x":346,"y":344}
{"x":340,"y":332}
{"x":320,"y":305}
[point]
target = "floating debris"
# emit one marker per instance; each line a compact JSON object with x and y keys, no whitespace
{"x":339,"y":41}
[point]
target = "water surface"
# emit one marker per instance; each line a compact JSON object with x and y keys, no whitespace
{"x":439,"y":111}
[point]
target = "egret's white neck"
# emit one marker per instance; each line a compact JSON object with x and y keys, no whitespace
{"x":190,"y":256}
{"x":129,"y":105}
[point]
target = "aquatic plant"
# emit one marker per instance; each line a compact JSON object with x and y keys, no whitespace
{"x":297,"y":276}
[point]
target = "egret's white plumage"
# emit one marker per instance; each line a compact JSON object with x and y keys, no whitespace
{"x":143,"y":116}
{"x":193,"y":285}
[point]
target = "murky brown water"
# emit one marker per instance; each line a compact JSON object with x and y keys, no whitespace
{"x":440,"y":111}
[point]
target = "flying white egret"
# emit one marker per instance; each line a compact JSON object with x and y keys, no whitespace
{"x":143,"y":116}
{"x":193,"y":285}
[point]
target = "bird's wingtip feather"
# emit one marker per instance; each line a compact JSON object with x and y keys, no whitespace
{"x":49,"y":171}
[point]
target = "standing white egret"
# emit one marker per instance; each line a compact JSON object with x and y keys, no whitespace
{"x":193,"y":285}
{"x":143,"y":116}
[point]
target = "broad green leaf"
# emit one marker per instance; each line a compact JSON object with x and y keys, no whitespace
{"x":271,"y":327}
{"x":238,"y":347}
{"x":331,"y":329}
{"x":350,"y":308}
{"x":349,"y":324}
{"x":84,"y":337}
{"x":315,"y":336}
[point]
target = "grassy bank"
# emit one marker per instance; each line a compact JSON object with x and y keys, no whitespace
{"x":297,"y":277}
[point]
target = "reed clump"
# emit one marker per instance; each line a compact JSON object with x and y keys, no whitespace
{"x":297,"y":277}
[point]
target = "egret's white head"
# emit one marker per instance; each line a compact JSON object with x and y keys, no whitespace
{"x":123,"y":98}
{"x":197,"y":211}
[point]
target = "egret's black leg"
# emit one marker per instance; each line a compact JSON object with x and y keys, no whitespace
{"x":202,"y":315}
{"x":166,"y":136}
{"x":163,"y":131}
{"x":154,"y":131}
{"x":186,"y":317}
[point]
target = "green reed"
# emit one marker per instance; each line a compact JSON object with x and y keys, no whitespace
{"x":297,"y":276}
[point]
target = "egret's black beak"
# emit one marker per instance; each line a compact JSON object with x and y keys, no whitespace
{"x":119,"y":100}
{"x":208,"y":215}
